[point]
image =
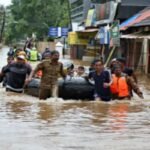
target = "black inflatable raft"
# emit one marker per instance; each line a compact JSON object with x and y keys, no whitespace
{"x":73,"y":88}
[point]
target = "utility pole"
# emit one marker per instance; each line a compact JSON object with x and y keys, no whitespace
{"x":69,"y":14}
{"x":2,"y":21}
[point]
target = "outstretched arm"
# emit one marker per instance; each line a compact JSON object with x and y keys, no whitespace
{"x":33,"y":72}
{"x":131,"y":82}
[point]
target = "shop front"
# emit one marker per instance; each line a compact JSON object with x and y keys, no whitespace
{"x":80,"y":42}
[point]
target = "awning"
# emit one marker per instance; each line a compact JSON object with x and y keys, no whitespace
{"x":128,"y":21}
{"x":135,"y":36}
{"x":88,"y":30}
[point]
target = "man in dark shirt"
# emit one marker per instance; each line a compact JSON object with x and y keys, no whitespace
{"x":17,"y":74}
{"x":102,"y":82}
{"x":3,"y":77}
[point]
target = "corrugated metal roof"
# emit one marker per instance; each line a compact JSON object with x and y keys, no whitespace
{"x":88,"y":30}
{"x":136,"y":20}
{"x":145,"y":22}
{"x":127,"y":22}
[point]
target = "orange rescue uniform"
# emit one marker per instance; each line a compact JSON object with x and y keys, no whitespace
{"x":119,"y":86}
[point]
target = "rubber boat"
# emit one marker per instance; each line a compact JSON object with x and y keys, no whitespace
{"x":75,"y":88}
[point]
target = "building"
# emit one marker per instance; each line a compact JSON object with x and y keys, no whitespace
{"x":79,"y":10}
{"x":108,"y":10}
{"x":135,"y":40}
{"x":104,"y":13}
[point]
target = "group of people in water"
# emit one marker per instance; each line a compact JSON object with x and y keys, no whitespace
{"x":115,"y":82}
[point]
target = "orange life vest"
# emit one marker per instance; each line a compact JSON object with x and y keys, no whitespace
{"x":119,"y":86}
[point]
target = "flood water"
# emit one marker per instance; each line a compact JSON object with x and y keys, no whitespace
{"x":29,"y":124}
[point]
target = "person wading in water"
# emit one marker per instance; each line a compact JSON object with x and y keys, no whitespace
{"x":51,"y":68}
{"x":17,"y":74}
{"x":102,"y":81}
{"x":121,"y":85}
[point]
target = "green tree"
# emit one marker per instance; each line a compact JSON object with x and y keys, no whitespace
{"x":36,"y":16}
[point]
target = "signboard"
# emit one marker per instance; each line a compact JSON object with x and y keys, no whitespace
{"x":105,"y":12}
{"x":64,"y":31}
{"x":90,"y":18}
{"x":57,"y":31}
{"x":72,"y":38}
{"x":53,"y":32}
{"x":75,"y":38}
{"x":115,"y":33}
{"x":104,"y":35}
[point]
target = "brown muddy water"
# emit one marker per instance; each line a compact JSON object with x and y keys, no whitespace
{"x":29,"y":124}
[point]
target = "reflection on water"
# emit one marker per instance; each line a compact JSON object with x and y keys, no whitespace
{"x":29,"y":124}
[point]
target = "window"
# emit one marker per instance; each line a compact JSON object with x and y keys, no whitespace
{"x":76,"y":4}
{"x":79,"y":9}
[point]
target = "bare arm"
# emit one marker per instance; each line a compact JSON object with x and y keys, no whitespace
{"x":135,"y":77}
{"x":131,"y":82}
{"x":33,"y":72}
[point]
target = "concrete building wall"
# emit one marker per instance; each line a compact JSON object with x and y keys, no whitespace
{"x":79,"y":10}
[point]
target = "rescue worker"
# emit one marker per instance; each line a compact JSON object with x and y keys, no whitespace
{"x":33,"y":55}
{"x":121,"y":84}
{"x":17,"y":72}
{"x":3,"y":77}
{"x":102,"y":81}
{"x":51,"y":68}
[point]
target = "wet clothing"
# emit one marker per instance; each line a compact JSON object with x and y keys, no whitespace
{"x":119,"y":86}
{"x":50,"y":74}
{"x":131,"y":86}
{"x":51,"y":92}
{"x":101,"y":92}
{"x":16,"y":75}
